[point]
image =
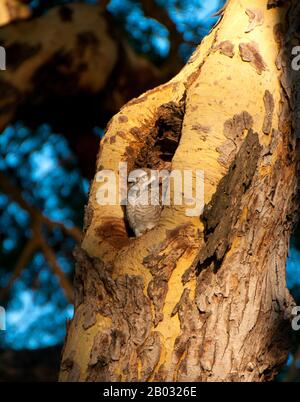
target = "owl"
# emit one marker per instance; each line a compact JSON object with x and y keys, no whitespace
{"x":143,"y":207}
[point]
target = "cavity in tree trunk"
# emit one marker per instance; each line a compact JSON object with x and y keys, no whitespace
{"x":199,"y":298}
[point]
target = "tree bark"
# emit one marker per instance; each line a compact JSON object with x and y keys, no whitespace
{"x":199,"y":298}
{"x":53,"y":80}
{"x":13,"y":10}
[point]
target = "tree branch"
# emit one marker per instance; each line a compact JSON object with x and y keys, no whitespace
{"x":57,"y":270}
{"x":38,"y":240}
{"x":12,"y":10}
{"x":73,"y":74}
{"x":35,"y":214}
{"x":26,"y":255}
{"x":160,"y":14}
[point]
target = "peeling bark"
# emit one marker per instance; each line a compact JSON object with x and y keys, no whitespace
{"x":199,"y":298}
{"x":222,"y":212}
{"x":256,"y":18}
{"x":269,"y":107}
{"x":250,"y":52}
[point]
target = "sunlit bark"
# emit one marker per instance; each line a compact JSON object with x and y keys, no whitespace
{"x":13,"y":10}
{"x":199,"y":298}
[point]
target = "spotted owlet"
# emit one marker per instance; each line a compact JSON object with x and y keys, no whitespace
{"x":143,"y":207}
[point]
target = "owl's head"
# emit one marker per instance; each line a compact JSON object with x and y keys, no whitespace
{"x":140,"y":179}
{"x":142,"y":183}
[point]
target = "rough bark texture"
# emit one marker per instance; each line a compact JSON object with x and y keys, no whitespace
{"x":200,"y":298}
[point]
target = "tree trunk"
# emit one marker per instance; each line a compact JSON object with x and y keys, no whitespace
{"x":199,"y":298}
